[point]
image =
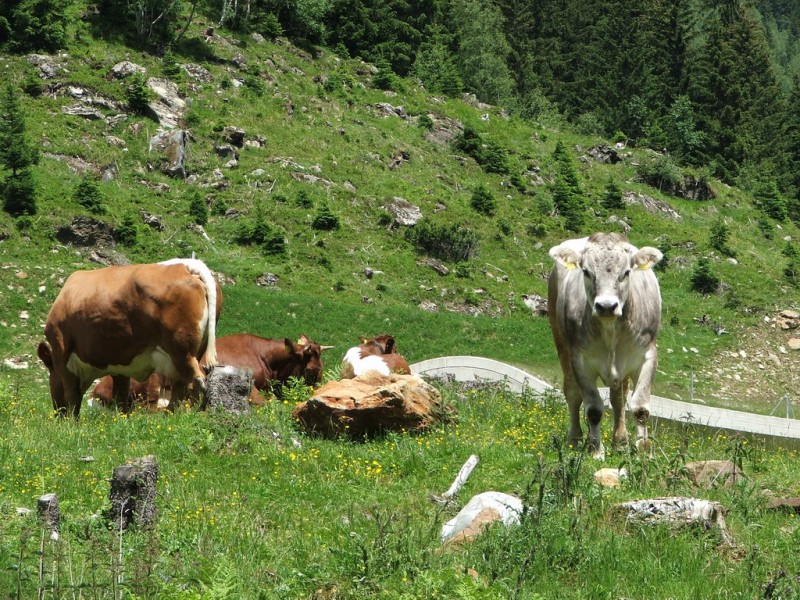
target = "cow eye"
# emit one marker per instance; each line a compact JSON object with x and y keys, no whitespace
{"x":586,"y":272}
{"x":625,"y":275}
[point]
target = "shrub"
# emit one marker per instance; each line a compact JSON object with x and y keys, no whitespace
{"x":219,"y":207}
{"x":792,"y":269}
{"x":170,"y":66}
{"x":769,"y":201}
{"x":325,"y":220}
{"x":19,"y":194}
{"x":703,"y":280}
{"x":765,"y":226}
{"x":88,"y":195}
{"x":137,"y":94}
{"x":24,"y":224}
{"x":612,"y":196}
{"x":385,"y":78}
{"x":425,"y":122}
{"x":198,"y":209}
{"x":490,"y":155}
{"x":662,"y":173}
{"x":127,"y":232}
{"x":269,"y":26}
{"x":483,"y":200}
{"x":719,"y":235}
{"x":303,"y":199}
{"x":454,"y":242}
{"x":569,"y":205}
{"x":274,"y":243}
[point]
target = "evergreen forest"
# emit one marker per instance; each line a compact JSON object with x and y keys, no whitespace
{"x":716,"y":83}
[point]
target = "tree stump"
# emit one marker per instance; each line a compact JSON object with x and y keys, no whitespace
{"x":133,"y":494}
{"x":228,"y":389}
{"x":50,"y":514}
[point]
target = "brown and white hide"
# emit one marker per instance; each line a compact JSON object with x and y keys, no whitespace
{"x":131,"y":321}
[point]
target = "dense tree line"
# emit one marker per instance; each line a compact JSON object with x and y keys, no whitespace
{"x":714,"y":82}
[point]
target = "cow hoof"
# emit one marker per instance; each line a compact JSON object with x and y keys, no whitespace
{"x":599,"y":453}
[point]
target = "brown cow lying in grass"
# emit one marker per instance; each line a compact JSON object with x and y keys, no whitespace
{"x":272,"y":362}
{"x":376,"y":354}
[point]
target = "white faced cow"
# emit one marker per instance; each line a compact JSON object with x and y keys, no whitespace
{"x":130,"y":321}
{"x":605,"y":312}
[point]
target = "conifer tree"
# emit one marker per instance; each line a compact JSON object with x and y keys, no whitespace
{"x":483,"y":50}
{"x":16,"y":155}
{"x":568,"y":196}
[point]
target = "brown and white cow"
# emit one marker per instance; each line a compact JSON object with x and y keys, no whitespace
{"x":605,"y":312}
{"x":272,"y":361}
{"x":375,"y":354}
{"x":131,"y":321}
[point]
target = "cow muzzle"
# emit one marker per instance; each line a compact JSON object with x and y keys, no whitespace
{"x":607,"y":307}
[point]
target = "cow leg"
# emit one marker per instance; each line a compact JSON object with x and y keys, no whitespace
{"x":121,"y":393}
{"x":572,"y":394}
{"x":177,"y":395}
{"x":594,"y":415}
{"x":593,"y":409}
{"x":640,"y":399}
{"x":73,"y":394}
{"x":189,"y":374}
{"x":617,"y":397}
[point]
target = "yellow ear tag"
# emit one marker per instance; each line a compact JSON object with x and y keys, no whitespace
{"x":300,"y":341}
{"x":571,"y":265}
{"x":644,"y":267}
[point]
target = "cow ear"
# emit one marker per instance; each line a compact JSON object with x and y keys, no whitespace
{"x":389,"y":346}
{"x":646,"y":257}
{"x":565,"y":256}
{"x":290,"y":345}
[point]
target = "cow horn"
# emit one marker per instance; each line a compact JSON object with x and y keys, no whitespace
{"x":326,"y":347}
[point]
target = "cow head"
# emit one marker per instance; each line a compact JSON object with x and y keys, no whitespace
{"x":56,"y":387}
{"x":606,"y":261}
{"x":380,"y":344}
{"x":308,"y":357}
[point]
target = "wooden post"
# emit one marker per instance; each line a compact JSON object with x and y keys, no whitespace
{"x":228,"y":389}
{"x":50,"y":514}
{"x":133,"y":494}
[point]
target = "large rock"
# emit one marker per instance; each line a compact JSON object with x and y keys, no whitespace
{"x":171,"y":145}
{"x":370,"y":404}
{"x":168,"y":107}
{"x":403,"y":211}
{"x":86,"y":231}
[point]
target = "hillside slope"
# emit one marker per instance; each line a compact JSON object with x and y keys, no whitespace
{"x":322,"y":144}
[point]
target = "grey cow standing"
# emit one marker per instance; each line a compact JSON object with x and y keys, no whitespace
{"x":605,"y":312}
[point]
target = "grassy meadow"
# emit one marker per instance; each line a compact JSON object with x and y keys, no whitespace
{"x":249,"y":507}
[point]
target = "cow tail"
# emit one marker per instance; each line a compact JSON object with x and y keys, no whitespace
{"x":199,"y":268}
{"x":211,"y":295}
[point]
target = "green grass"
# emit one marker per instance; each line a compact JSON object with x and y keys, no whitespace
{"x":242,"y":508}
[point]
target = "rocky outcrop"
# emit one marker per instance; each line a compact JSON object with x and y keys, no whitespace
{"x":371,"y":404}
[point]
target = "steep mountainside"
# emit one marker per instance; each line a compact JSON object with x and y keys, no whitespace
{"x":297,"y":179}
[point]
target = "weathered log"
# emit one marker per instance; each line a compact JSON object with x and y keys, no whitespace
{"x":133,"y":494}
